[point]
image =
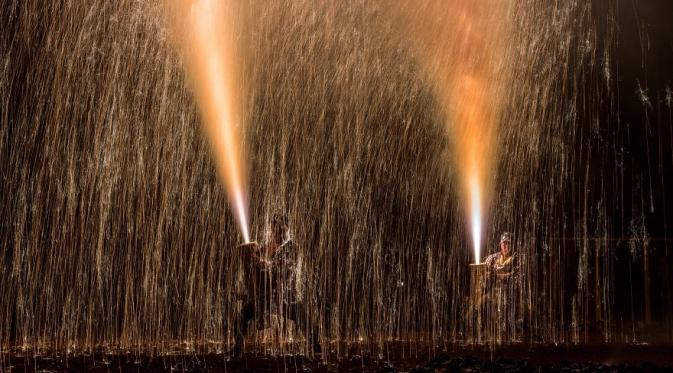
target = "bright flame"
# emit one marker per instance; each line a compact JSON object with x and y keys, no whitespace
{"x":472,"y":130}
{"x":462,"y":43}
{"x":475,"y":212}
{"x":206,"y":35}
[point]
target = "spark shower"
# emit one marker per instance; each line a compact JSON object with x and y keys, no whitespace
{"x":399,"y":142}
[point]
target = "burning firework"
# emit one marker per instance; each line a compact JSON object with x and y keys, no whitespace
{"x":464,"y":56}
{"x":207,"y":36}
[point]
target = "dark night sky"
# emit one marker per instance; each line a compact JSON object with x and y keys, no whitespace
{"x":644,"y":61}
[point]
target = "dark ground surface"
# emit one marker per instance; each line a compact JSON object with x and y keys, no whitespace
{"x":605,"y":358}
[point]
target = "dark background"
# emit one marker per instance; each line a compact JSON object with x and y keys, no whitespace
{"x":643,"y":161}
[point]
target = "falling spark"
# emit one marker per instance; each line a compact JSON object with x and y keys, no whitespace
{"x":108,"y":233}
{"x":209,"y":45}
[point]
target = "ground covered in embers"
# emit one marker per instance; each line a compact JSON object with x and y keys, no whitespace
{"x":605,"y":358}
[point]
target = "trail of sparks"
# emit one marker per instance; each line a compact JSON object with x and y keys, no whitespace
{"x":210,"y":49}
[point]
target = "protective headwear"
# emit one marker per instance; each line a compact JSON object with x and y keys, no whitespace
{"x":506,"y":237}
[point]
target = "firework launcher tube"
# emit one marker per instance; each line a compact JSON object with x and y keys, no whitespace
{"x":248,"y":245}
{"x":246,"y":253}
{"x":476,"y":303}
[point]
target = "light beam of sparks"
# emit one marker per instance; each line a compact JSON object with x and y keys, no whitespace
{"x":208,"y":41}
{"x":475,"y":212}
{"x":472,"y":132}
{"x":463,"y":44}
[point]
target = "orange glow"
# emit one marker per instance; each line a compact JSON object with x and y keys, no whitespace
{"x":462,"y":47}
{"x":206,"y":34}
{"x":472,"y":133}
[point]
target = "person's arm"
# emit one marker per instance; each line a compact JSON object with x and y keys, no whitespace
{"x":489,"y":265}
{"x":516,"y":267}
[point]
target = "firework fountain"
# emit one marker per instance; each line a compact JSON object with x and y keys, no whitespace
{"x":466,"y":56}
{"x":208,"y":37}
{"x":375,"y":129}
